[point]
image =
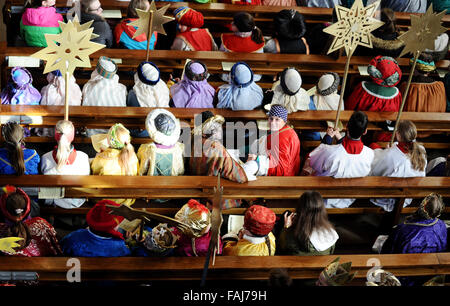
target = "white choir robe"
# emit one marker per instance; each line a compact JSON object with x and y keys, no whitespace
{"x":335,"y":161}
{"x":392,"y":162}
{"x":80,"y":166}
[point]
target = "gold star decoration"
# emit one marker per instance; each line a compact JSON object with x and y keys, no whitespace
{"x":423,"y":31}
{"x":8,"y":244}
{"x":353,"y":27}
{"x":80,"y":27}
{"x":69,"y":49}
{"x":151,"y":21}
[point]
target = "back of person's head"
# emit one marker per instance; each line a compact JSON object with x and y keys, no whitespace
{"x":311,"y":215}
{"x":15,"y":206}
{"x":407,"y":133}
{"x":64,"y":134}
{"x":425,"y":63}
{"x":244,"y":22}
{"x":86,"y":5}
{"x":279,"y":278}
{"x":137,"y":4}
{"x":387,"y":16}
{"x":357,"y":125}
{"x":431,"y":207}
{"x":12,"y":133}
{"x":119,"y":138}
{"x":289,"y":24}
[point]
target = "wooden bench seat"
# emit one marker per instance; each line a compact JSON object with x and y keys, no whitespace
{"x":225,"y":268}
{"x":134,"y":117}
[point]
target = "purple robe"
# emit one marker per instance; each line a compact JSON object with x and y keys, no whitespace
{"x":19,"y":89}
{"x":192,"y":94}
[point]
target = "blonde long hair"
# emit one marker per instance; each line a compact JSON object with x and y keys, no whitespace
{"x":417,"y":154}
{"x":65,"y":128}
{"x":122,"y":136}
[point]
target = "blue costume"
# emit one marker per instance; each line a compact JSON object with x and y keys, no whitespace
{"x":31,"y":159}
{"x":84,"y":243}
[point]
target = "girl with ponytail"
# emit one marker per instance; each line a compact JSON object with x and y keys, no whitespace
{"x":14,"y":158}
{"x":116,"y":155}
{"x":246,"y":37}
{"x":38,"y":236}
{"x":406,"y":158}
{"x":65,"y":160}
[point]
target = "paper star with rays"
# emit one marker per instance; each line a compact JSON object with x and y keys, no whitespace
{"x":8,"y":244}
{"x":151,"y":21}
{"x":69,"y":49}
{"x":423,"y":31}
{"x":80,"y":27}
{"x":353,"y":27}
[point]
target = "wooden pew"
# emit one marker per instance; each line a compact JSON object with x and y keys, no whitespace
{"x":53,"y":269}
{"x":175,"y":187}
{"x":134,"y":117}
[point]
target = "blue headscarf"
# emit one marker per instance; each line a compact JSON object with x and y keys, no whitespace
{"x":242,"y":93}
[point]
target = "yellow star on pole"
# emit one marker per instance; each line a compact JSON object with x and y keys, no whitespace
{"x":423,"y":31}
{"x":8,"y":244}
{"x":80,"y":27}
{"x":69,"y":49}
{"x":353,"y":27}
{"x":151,"y":21}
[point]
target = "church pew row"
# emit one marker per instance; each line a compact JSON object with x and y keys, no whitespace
{"x":225,"y":268}
{"x":176,"y":187}
{"x":134,"y":117}
{"x":223,"y":13}
{"x":261,"y":63}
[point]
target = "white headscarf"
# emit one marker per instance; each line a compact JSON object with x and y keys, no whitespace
{"x":297,"y":102}
{"x":151,"y":95}
{"x":99,"y":91}
{"x":54,"y":92}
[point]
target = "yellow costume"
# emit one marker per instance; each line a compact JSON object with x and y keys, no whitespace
{"x":250,"y":246}
{"x":161,"y":161}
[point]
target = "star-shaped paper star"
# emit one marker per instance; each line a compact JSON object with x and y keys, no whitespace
{"x":151,"y":21}
{"x":423,"y":31}
{"x":8,"y":244}
{"x":80,"y":27}
{"x":69,"y":49}
{"x":353,"y":27}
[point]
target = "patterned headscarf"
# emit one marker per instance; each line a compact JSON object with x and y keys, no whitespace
{"x":384,"y":71}
{"x":278,"y":111}
{"x":113,"y":141}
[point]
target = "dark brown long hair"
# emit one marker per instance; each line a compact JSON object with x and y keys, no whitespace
{"x":12,"y":133}
{"x":19,"y":229}
{"x":311,"y":215}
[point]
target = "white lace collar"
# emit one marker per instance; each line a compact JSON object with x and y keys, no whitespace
{"x":323,"y":239}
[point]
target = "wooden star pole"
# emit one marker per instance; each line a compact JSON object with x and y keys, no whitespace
{"x":353,"y":28}
{"x":422,"y":34}
{"x":67,"y":50}
{"x":150,"y":21}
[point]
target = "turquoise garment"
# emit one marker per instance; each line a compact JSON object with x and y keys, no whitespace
{"x":440,"y":5}
{"x":30,"y":157}
{"x":84,"y":243}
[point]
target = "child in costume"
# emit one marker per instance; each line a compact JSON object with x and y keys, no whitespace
{"x":349,"y":158}
{"x":39,"y":237}
{"x":39,"y":18}
{"x":246,"y":37}
{"x":190,"y":36}
{"x":101,"y":238}
{"x":426,"y":93}
{"x":242,"y":93}
{"x":65,"y":160}
{"x":20,"y":90}
{"x":193,"y":91}
{"x":307,"y":231}
{"x":256,"y":238}
{"x":289,"y":35}
{"x":149,"y":89}
{"x":164,"y":155}
{"x":14,"y":157}
{"x":115,"y":155}
{"x":198,"y":217}
{"x":104,"y":89}
{"x":280,"y":150}
{"x":54,"y":93}
{"x":92,"y":10}
{"x":288,"y":93}
{"x":406,"y":158}
{"x":124,"y":33}
{"x":160,"y":241}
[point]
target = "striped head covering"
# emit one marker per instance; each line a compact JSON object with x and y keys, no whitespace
{"x":106,"y":67}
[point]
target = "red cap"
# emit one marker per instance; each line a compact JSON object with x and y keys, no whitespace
{"x":99,"y":218}
{"x":259,"y":220}
{"x":189,"y":17}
